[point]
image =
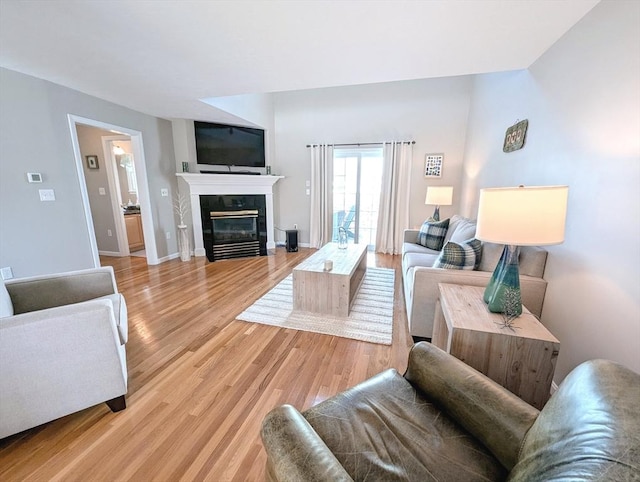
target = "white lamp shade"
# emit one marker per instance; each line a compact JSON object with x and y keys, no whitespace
{"x":439,"y":195}
{"x":523,"y":216}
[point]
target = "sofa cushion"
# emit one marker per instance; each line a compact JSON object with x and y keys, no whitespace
{"x":465,"y":229}
{"x":417,"y":248}
{"x":432,"y":234}
{"x":385,"y":429}
{"x":531,"y":262}
{"x":465,"y":255}
{"x":6,"y":306}
{"x":491,"y":253}
{"x":419,"y":259}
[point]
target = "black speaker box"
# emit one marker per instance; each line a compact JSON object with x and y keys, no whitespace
{"x":292,"y":240}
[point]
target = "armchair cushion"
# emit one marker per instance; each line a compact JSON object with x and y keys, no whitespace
{"x":385,"y":429}
{"x":48,"y":291}
{"x":432,"y":234}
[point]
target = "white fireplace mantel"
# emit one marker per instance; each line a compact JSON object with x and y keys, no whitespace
{"x":228,"y":184}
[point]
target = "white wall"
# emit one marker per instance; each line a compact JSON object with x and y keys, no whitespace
{"x":432,"y":112}
{"x":582,"y":100}
{"x":44,"y":237}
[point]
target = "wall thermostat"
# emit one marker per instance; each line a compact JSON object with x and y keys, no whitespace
{"x":34,"y":177}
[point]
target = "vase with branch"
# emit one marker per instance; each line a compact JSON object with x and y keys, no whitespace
{"x":181,"y":208}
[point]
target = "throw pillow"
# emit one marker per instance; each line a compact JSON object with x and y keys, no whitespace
{"x":465,"y":255}
{"x":432,"y":234}
{"x":6,"y":306}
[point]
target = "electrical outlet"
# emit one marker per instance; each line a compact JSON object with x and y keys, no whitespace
{"x":102,"y":191}
{"x":295,"y":226}
{"x":6,"y":273}
{"x":168,"y":234}
{"x":164,"y":192}
{"x":109,"y":233}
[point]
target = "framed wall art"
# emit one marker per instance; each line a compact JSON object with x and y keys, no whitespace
{"x":92,"y":162}
{"x":433,"y":165}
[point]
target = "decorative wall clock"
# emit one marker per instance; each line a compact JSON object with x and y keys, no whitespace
{"x":515,"y":135}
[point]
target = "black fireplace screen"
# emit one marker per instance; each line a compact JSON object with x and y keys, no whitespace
{"x":234,"y":226}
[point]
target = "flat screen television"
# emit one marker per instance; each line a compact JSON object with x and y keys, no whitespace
{"x":225,"y":145}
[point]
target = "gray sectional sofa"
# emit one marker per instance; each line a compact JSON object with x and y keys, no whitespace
{"x":421,"y":280}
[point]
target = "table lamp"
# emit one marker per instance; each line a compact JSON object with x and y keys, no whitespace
{"x":440,"y":196}
{"x":518,"y":216}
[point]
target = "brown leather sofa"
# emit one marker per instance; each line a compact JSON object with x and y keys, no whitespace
{"x":445,"y":421}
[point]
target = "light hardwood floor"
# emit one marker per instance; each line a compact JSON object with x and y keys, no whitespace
{"x":200,"y":382}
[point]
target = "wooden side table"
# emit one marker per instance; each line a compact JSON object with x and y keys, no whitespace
{"x":521,"y":359}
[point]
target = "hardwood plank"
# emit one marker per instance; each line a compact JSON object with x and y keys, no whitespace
{"x":200,"y":382}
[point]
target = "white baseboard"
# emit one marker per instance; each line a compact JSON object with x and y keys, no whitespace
{"x":117,"y":254}
{"x":554,"y":387}
{"x":168,"y":258}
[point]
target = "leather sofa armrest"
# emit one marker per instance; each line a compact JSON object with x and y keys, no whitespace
{"x":491,"y":413}
{"x":48,"y":291}
{"x":295,"y":451}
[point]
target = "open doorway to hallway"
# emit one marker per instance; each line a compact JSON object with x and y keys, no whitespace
{"x":113,"y":183}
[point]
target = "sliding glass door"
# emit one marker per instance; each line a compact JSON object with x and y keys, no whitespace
{"x":357,"y":178}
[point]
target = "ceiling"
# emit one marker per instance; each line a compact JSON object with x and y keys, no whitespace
{"x":161,"y":57}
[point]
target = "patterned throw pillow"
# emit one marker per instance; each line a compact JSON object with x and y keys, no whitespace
{"x":465,"y":255}
{"x":432,"y":234}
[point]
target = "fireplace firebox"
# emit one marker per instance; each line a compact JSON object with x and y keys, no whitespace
{"x":233,"y":226}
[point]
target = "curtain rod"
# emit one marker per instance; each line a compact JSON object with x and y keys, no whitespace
{"x":361,"y":144}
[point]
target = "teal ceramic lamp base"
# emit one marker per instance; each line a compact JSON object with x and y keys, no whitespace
{"x":502,"y":294}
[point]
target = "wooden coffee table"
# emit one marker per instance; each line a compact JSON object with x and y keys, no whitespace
{"x":329,"y":292}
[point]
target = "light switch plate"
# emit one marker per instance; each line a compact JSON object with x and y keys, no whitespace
{"x":47,"y":195}
{"x":6,"y":273}
{"x":164,"y":192}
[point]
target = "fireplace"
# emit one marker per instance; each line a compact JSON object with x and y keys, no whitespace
{"x":199,"y":185}
{"x":233,"y":226}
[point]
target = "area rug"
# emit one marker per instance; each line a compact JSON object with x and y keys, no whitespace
{"x":370,"y":319}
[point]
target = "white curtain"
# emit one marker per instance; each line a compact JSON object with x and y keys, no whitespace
{"x":393,"y":216}
{"x":321,"y":219}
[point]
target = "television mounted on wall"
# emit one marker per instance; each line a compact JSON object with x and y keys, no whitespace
{"x":227,"y":145}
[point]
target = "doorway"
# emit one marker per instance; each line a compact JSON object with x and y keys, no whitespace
{"x":139,"y":168}
{"x":123,"y":187}
{"x":357,"y":180}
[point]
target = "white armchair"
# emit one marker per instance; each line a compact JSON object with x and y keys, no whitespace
{"x":62,"y":347}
